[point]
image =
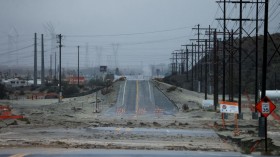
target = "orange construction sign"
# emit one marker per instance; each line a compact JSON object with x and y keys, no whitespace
{"x":265,"y":106}
{"x":228,"y":107}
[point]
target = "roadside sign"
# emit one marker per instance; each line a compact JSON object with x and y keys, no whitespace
{"x":265,"y":106}
{"x":228,"y":107}
{"x":103,"y":68}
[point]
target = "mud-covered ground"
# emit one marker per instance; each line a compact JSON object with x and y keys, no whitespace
{"x":75,"y":124}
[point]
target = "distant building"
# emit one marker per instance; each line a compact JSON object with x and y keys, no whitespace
{"x":74,"y":80}
{"x":31,"y":82}
{"x":15,"y":82}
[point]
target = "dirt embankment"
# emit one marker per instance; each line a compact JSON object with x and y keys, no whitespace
{"x":242,"y":133}
{"x":79,"y":113}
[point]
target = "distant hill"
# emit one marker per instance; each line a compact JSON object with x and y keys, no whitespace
{"x":248,"y":67}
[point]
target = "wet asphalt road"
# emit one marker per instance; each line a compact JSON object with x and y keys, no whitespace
{"x":155,"y":132}
{"x":141,"y":98}
{"x":40,"y":152}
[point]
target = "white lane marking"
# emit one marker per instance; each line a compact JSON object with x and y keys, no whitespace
{"x":19,"y":155}
{"x":137,"y":97}
{"x":124,"y":92}
{"x":150,"y":91}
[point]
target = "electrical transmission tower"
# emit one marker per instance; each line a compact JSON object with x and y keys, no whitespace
{"x":115,"y":47}
{"x":99,"y":50}
{"x":50,"y":30}
{"x":87,"y":57}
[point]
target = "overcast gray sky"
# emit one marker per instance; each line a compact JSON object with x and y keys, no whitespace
{"x":146,"y":31}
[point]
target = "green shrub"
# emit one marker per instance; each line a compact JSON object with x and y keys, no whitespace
{"x":52,"y":89}
{"x":96,"y":82}
{"x":70,"y":90}
{"x":172,"y":88}
{"x":3,"y":92}
{"x":21,"y":92}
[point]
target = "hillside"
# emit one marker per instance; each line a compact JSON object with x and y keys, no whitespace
{"x":248,"y":67}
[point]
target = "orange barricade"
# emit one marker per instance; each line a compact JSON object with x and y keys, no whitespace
{"x":6,"y":113}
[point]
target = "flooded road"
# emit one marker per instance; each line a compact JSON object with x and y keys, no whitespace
{"x":141,"y":98}
{"x":39,"y":152}
{"x":155,"y":131}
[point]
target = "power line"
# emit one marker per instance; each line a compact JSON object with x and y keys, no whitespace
{"x":8,"y":52}
{"x":128,"y":34}
{"x":144,"y":42}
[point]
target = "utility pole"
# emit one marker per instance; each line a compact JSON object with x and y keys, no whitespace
{"x":173,"y":67}
{"x":198,"y":68}
{"x":78,"y":65}
{"x":60,"y":86}
{"x":264,"y":66}
{"x":192,"y":62}
{"x":50,"y":66}
{"x":192,"y":69}
{"x":172,"y":64}
{"x":240,"y":19}
{"x":87,"y":58}
{"x":35,"y":60}
{"x":209,"y":48}
{"x":215,"y":67}
{"x":55,"y":72}
{"x":224,"y":53}
{"x":198,"y":52}
{"x":187,"y":61}
{"x":182,"y":61}
{"x":176,"y":64}
{"x":179,"y":55}
{"x":257,"y":58}
{"x":240,"y":116}
{"x":231,"y":90}
{"x":42,"y":62}
{"x":206,"y":70}
{"x":195,"y":61}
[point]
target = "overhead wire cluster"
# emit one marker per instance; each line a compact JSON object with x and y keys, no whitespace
{"x":21,"y":50}
{"x":24,"y":54}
